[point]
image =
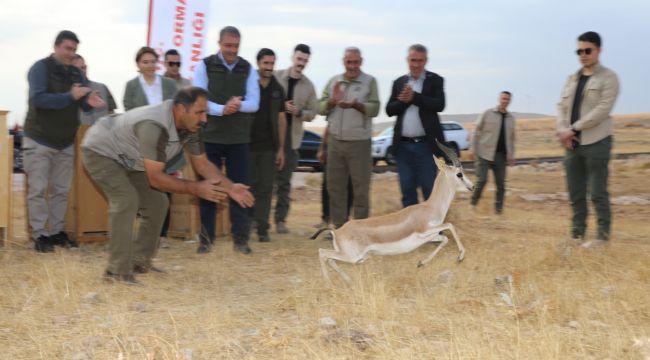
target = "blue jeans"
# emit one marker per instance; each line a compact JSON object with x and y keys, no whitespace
{"x":416,"y":168}
{"x":237,"y":157}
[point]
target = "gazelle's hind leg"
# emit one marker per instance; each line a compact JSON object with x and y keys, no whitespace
{"x":434,"y":238}
{"x":328,"y":256}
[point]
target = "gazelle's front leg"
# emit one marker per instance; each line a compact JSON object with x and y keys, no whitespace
{"x":461,"y":248}
{"x":434,"y":237}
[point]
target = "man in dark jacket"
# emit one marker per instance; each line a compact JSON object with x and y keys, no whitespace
{"x":57,"y":90}
{"x":416,"y":99}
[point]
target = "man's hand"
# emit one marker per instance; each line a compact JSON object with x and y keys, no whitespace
{"x":337,"y":94}
{"x":240,"y":194}
{"x":353,"y":104}
{"x":321,"y":155}
{"x":78,"y":91}
{"x":406,"y":95}
{"x":210,"y":190}
{"x":233,"y":105}
{"x":291,"y":108}
{"x":95,"y":101}
{"x":567,"y":137}
{"x":279,"y":159}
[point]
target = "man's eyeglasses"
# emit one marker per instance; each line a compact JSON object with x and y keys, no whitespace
{"x":587,"y":51}
{"x":178,"y":63}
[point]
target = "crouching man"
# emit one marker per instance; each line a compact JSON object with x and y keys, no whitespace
{"x":125,"y":155}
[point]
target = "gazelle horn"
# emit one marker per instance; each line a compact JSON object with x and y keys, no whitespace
{"x":451,"y":154}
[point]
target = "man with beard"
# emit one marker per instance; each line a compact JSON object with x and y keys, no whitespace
{"x":267,"y":142}
{"x":301,"y":106}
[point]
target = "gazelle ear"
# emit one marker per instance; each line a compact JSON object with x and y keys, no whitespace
{"x":440,"y":162}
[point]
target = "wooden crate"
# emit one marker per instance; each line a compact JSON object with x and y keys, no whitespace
{"x":87,"y":217}
{"x":6,"y":173}
{"x":184,"y":219}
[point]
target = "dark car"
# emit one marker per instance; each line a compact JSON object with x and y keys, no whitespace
{"x":17,"y":133}
{"x":308,"y":149}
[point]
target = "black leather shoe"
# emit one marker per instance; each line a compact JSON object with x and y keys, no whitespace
{"x":43,"y":244}
{"x":205,"y":243}
{"x":264,"y":237}
{"x":62,"y":239}
{"x":126,"y":279}
{"x":140,"y":269}
{"x":204,"y":248}
{"x":243,"y":248}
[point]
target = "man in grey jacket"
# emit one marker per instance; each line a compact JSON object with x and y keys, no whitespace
{"x":350,"y":101}
{"x":493,"y":144}
{"x":125,"y":155}
{"x":585,"y":128}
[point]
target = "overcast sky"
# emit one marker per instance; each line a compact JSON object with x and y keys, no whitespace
{"x":479,"y":47}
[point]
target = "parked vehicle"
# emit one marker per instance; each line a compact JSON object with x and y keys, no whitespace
{"x":308,"y":149}
{"x":456,"y":136}
{"x":17,"y":133}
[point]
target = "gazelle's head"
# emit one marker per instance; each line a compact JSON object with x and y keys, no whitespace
{"x":463,"y":183}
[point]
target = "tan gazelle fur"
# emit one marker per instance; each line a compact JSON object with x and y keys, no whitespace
{"x":404,"y":230}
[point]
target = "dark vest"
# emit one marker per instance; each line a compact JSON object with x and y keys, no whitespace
{"x":55,"y":127}
{"x":223,"y":84}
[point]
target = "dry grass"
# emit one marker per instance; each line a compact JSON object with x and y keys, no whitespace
{"x":591,"y":304}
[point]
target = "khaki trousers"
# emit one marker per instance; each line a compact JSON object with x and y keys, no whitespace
{"x":49,"y":174}
{"x":129,"y":194}
{"x":348,"y":160}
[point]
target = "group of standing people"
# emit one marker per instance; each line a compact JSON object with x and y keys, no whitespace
{"x":253,"y":120}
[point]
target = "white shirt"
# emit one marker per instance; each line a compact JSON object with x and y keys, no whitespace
{"x":153,"y":91}
{"x":412,"y":125}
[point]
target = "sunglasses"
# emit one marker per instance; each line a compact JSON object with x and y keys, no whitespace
{"x":178,"y":63}
{"x":587,"y":51}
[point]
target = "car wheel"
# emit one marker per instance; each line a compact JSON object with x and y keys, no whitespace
{"x":390,"y":158}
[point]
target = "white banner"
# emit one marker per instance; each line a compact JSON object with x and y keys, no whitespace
{"x":180,"y":25}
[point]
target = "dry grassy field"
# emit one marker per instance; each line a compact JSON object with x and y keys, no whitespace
{"x":517,"y":295}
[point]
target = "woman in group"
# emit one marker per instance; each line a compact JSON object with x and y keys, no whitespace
{"x":148,"y":88}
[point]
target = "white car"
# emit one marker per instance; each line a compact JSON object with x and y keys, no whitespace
{"x":456,"y":135}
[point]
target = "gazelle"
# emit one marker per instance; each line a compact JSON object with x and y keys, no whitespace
{"x":404,"y":230}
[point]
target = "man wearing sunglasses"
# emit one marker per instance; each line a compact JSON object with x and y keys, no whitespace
{"x":585,"y":127}
{"x":173,"y":68}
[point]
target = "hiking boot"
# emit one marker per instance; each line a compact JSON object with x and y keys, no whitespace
{"x":320,"y":225}
{"x":62,"y":239}
{"x":281,"y":228}
{"x":43,"y":244}
{"x":264,"y":237}
{"x":205,"y":245}
{"x":204,"y":248}
{"x":128,"y":279}
{"x":243,"y":248}
{"x":141,"y":269}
